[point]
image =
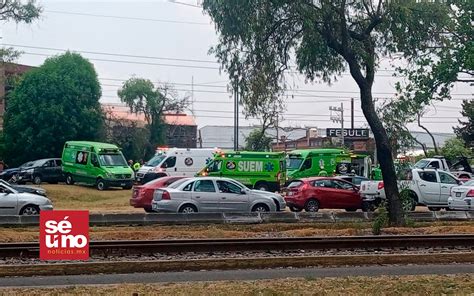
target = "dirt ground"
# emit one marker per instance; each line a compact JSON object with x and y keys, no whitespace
{"x":460,"y":284}
{"x":242,"y":231}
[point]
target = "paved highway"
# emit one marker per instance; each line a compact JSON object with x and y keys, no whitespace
{"x":217,"y":275}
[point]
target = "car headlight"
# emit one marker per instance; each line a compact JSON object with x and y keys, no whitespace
{"x":109,"y":175}
{"x":30,"y":171}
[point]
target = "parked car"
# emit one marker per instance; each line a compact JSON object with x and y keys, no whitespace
{"x":462,"y":197}
{"x":25,"y":189}
{"x":429,"y":187}
{"x":142,"y":196}
{"x":214,"y":194}
{"x":356,"y":180}
{"x":43,"y":170}
{"x":13,"y":202}
{"x":13,"y":173}
{"x":312,"y":194}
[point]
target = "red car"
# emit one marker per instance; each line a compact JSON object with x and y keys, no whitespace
{"x":312,"y":194}
{"x":142,"y":196}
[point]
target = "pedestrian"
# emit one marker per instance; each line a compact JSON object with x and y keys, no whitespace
{"x":130,"y":163}
{"x":2,"y":166}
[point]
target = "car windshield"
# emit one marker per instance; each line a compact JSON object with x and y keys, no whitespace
{"x":469,"y":183}
{"x":422,"y":164}
{"x":27,"y":165}
{"x":293,"y":163}
{"x":177,"y":183}
{"x":156,"y":160}
{"x":112,"y":160}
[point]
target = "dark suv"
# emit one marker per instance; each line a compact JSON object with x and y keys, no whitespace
{"x":47,"y":170}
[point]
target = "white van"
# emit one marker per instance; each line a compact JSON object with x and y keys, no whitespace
{"x":174,"y":162}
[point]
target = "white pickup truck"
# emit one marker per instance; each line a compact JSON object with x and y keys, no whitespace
{"x":427,"y":187}
{"x":460,"y":169}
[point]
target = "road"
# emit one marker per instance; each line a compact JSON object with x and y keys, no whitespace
{"x":162,"y":277}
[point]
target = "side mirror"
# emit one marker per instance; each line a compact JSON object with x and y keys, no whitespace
{"x":243,"y":191}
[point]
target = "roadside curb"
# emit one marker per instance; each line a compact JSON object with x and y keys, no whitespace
{"x":239,"y":218}
{"x":226,"y":264}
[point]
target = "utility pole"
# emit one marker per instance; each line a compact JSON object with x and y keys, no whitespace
{"x":192,"y":95}
{"x":339,"y":118}
{"x":236,"y":118}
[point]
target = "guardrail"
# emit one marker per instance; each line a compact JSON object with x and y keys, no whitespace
{"x":239,"y":218}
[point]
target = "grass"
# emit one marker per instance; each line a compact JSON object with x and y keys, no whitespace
{"x":460,"y":284}
{"x":78,"y":197}
{"x":237,"y":231}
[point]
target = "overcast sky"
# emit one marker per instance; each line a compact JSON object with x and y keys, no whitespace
{"x":159,"y":38}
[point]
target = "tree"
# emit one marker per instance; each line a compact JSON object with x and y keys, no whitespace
{"x":19,"y":12}
{"x":258,"y":38}
{"x":57,"y":102}
{"x":455,"y":148}
{"x":257,"y":140}
{"x":143,"y":97}
{"x":466,"y":130}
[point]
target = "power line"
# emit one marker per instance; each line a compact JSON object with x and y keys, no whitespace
{"x":126,"y":17}
{"x":185,"y":4}
{"x":115,"y":54}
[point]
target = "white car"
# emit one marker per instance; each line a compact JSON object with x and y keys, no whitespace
{"x":214,"y":194}
{"x":462,"y":197}
{"x":13,"y":202}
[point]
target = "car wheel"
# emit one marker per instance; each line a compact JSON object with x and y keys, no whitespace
{"x":69,"y":180}
{"x":37,"y":180}
{"x":128,"y":187}
{"x":149,"y":210}
{"x":30,"y":210}
{"x":295,"y":209}
{"x":409,"y":205}
{"x":187,"y":209}
{"x":262,"y":186}
{"x":100,"y":185}
{"x":433,"y":209}
{"x":351,"y":210}
{"x":260,"y":208}
{"x":368,"y":207}
{"x":312,"y":205}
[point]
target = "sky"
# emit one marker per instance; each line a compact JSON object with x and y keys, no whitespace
{"x":166,"y":41}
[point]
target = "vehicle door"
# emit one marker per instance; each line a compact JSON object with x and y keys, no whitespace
{"x":305,"y":170}
{"x":327,"y":195}
{"x":205,"y":194}
{"x":47,"y":170}
{"x":232,"y":199}
{"x":430,"y":188}
{"x":447,"y":182}
{"x":94,"y":166}
{"x":345,"y":195}
{"x":58,"y":170}
{"x":169,"y":166}
{"x":8,"y":202}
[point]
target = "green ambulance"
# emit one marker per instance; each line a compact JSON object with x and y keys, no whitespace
{"x":313,"y":162}
{"x":93,"y":163}
{"x":258,"y":170}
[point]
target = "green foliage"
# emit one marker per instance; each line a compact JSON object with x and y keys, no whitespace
{"x":19,"y":12}
{"x":455,"y":148}
{"x":54,"y":103}
{"x":381,"y":219}
{"x":466,"y":130}
{"x":258,"y":141}
{"x":143,"y":97}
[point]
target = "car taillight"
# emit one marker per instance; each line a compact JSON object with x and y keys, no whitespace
{"x":165,"y":195}
{"x":470,"y":193}
{"x":380,"y":185}
{"x":279,"y":176}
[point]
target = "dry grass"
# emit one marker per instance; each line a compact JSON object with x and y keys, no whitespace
{"x":383,"y":285}
{"x":237,"y":231}
{"x":80,"y":197}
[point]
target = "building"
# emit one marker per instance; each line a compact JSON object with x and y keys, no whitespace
{"x":8,"y":71}
{"x":181,"y":129}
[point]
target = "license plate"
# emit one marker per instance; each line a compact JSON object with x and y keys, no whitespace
{"x":139,"y":179}
{"x":122,"y":184}
{"x":458,"y":194}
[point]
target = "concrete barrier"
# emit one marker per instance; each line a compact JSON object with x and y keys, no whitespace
{"x":10,"y":220}
{"x":29,"y":220}
{"x":97,"y":220}
{"x":242,"y":218}
{"x":282,"y":217}
{"x":318,"y":217}
{"x":351,"y":217}
{"x":451,"y":216}
{"x":205,"y":218}
{"x":470,"y":215}
{"x":124,"y":219}
{"x":422,"y":216}
{"x":165,"y":219}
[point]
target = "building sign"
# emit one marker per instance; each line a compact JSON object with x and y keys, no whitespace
{"x":348,"y":132}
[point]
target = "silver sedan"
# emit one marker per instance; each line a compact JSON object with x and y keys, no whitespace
{"x":462,"y":197}
{"x":213,"y":194}
{"x":13,"y":202}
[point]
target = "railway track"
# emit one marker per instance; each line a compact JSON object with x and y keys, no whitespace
{"x":130,"y":247}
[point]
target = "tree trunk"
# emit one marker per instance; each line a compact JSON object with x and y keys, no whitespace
{"x":431,"y":136}
{"x":384,"y":156}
